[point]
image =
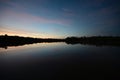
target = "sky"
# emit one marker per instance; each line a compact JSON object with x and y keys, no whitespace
{"x":60,"y":18}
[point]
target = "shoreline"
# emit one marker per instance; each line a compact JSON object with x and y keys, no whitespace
{"x":7,"y":41}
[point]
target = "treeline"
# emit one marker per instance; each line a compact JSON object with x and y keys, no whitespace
{"x":6,"y":40}
{"x":95,"y":40}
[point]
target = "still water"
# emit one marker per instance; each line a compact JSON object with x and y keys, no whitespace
{"x":59,"y":60}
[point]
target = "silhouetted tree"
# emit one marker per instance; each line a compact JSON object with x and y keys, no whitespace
{"x":6,"y":40}
{"x":6,"y":35}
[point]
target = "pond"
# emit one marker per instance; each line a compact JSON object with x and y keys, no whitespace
{"x":59,"y":60}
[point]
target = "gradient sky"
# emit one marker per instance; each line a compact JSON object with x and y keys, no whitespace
{"x":59,"y":18}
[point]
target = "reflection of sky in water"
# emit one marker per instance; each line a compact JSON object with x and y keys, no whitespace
{"x":49,"y":59}
{"x":55,"y":50}
{"x":39,"y":49}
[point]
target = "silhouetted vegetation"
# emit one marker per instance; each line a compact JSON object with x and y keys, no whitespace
{"x":17,"y":40}
{"x":6,"y":40}
{"x":95,"y":40}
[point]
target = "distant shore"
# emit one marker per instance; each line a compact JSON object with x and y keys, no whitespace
{"x":95,"y":40}
{"x":6,"y":41}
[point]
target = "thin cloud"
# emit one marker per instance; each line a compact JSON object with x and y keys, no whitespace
{"x":107,"y":11}
{"x":29,"y":18}
{"x":68,"y":12}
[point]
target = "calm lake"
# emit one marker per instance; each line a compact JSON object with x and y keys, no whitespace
{"x":59,"y":60}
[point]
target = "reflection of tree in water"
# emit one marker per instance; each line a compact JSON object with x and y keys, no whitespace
{"x":95,"y":40}
{"x":6,"y":41}
{"x":5,"y":47}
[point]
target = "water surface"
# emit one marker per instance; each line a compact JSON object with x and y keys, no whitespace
{"x":59,"y":60}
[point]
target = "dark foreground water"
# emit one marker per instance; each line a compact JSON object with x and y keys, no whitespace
{"x":59,"y":61}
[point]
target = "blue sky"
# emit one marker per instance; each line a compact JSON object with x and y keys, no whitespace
{"x":59,"y":18}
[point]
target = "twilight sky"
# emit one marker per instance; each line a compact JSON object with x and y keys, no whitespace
{"x":59,"y":18}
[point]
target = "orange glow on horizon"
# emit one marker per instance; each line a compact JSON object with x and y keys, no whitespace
{"x":26,"y":34}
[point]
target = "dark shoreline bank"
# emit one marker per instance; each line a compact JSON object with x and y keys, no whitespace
{"x":6,"y":41}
